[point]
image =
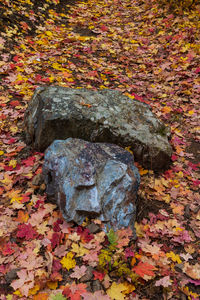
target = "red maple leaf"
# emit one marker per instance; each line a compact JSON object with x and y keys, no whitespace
{"x":85,"y":234}
{"x":56,"y":266}
{"x":143,"y":269}
{"x":98,"y":275}
{"x":8,"y":249}
{"x":14,"y":103}
{"x":26,"y":231}
{"x":56,"y":226}
{"x":129,"y":252}
{"x":74,"y":291}
{"x":29,"y":161}
{"x":55,"y":240}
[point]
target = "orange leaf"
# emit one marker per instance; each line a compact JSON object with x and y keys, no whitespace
{"x":85,"y":104}
{"x":22,"y":217}
{"x":143,"y":269}
{"x":41,"y":296}
{"x":166,"y":109}
{"x":52,"y":285}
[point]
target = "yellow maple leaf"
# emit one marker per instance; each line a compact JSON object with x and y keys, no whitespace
{"x":79,"y":250}
{"x":56,"y":66}
{"x":129,"y":288}
{"x":174,"y":257}
{"x":49,"y":33}
{"x":52,"y":284}
{"x":14,"y":195}
{"x":13,"y":129}
{"x":12,"y":163}
{"x":8,"y":180}
{"x":18,"y":293}
{"x":34,"y":290}
{"x":68,"y":262}
{"x":191,"y":112}
{"x":115,"y":291}
{"x":139,"y":230}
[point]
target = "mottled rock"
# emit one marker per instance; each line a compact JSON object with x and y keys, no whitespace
{"x":88,"y":275}
{"x":93,"y":228}
{"x":96,"y":180}
{"x":11,"y":275}
{"x":96,"y":285}
{"x":97,"y":116}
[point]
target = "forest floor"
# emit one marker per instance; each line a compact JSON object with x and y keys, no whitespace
{"x":151,"y":54}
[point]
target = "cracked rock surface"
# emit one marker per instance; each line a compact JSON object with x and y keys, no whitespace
{"x":95,"y":180}
{"x":105,"y":116}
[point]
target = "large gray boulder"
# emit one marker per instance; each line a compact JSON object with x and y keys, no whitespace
{"x":96,"y":180}
{"x":97,"y":116}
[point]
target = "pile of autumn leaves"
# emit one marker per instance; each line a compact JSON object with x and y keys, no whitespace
{"x":43,"y":257}
{"x":69,"y":253}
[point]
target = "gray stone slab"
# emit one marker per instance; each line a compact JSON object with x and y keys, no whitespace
{"x":97,"y":116}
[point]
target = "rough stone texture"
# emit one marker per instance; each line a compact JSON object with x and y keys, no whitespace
{"x":96,"y":180}
{"x":97,"y":116}
{"x":88,"y":275}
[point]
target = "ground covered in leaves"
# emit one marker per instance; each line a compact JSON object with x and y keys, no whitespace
{"x":152,"y":55}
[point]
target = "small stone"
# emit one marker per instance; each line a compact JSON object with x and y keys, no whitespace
{"x":187,"y":213}
{"x":89,"y":286}
{"x":179,"y":267}
{"x":96,"y":285}
{"x":11,"y":275}
{"x":93,"y":228}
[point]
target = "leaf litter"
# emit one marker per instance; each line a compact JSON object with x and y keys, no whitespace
{"x":151,"y":55}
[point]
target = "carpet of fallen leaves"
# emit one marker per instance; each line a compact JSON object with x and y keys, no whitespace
{"x":152,"y":55}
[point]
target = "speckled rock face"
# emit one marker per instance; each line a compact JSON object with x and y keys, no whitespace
{"x":97,"y":116}
{"x":96,"y":180}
